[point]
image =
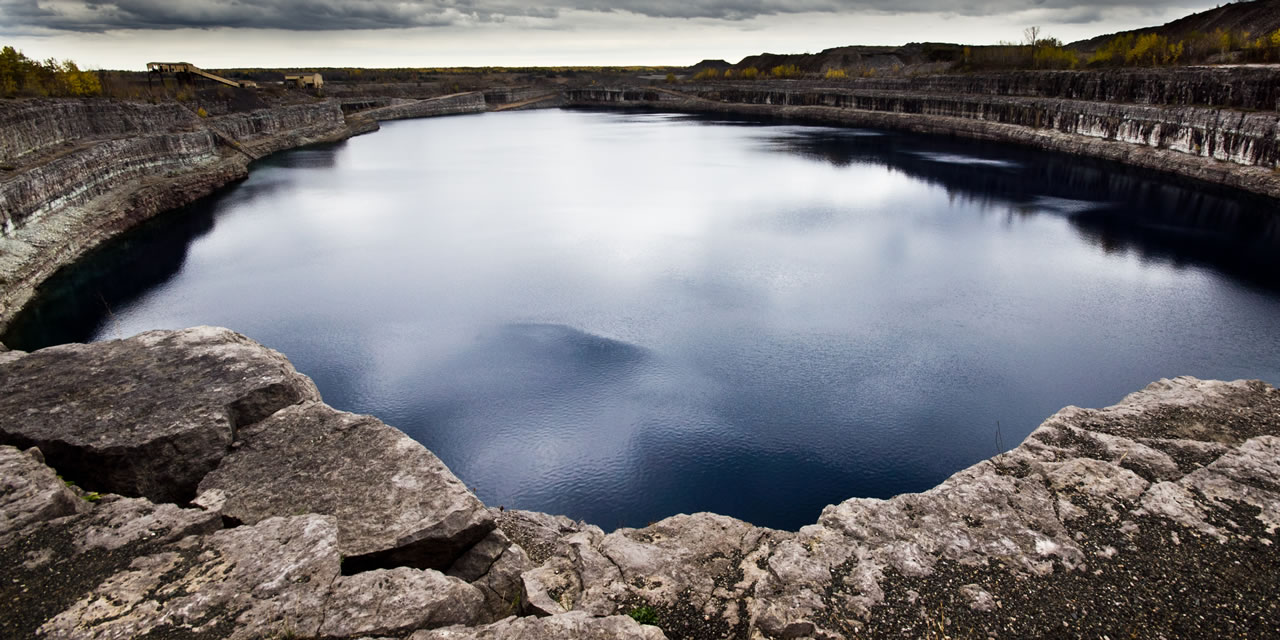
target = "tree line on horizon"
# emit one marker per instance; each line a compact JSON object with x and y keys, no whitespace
{"x":1149,"y":49}
{"x":1035,"y":52}
{"x":22,"y":76}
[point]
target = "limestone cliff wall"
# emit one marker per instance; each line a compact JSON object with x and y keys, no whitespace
{"x":458,"y":103}
{"x":86,"y":170}
{"x":36,"y":126}
{"x":510,"y":95}
{"x":74,"y":179}
{"x":1234,"y":148}
{"x":1235,"y":136}
{"x":1248,"y":88}
{"x":269,"y":130}
{"x":77,"y":172}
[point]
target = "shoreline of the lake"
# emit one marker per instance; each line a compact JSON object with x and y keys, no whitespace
{"x":1136,"y":506}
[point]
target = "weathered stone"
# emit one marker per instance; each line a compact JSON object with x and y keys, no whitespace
{"x":977,"y":598}
{"x":398,"y":601}
{"x":695,"y":571}
{"x":147,"y":416}
{"x":30,"y":492}
{"x":395,"y":502}
{"x":577,"y":625}
{"x":48,"y":564}
{"x":116,"y":522}
{"x":537,"y":533}
{"x":268,"y":580}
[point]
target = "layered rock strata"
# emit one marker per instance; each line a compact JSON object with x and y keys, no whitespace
{"x":1238,"y":149}
{"x":1156,"y":517}
{"x":77,"y":172}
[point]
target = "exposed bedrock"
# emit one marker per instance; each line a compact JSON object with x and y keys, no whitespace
{"x":32,"y":127}
{"x":1156,"y":517}
{"x":458,"y":103}
{"x":1247,"y":88}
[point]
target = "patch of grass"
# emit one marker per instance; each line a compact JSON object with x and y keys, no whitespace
{"x":644,"y":615}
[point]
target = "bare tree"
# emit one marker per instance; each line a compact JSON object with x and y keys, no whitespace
{"x":1031,"y":35}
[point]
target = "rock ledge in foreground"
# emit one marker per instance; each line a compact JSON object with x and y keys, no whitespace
{"x":147,"y":416}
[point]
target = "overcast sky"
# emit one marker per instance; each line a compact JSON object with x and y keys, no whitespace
{"x":126,"y":34}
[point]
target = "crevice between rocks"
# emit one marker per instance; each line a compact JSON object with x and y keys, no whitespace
{"x":421,"y":554}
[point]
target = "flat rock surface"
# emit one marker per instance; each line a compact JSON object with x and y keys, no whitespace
{"x":146,"y":416}
{"x":395,"y":502}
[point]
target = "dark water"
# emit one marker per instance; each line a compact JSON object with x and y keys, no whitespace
{"x":620,"y":317}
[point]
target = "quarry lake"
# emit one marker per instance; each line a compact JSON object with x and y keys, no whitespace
{"x":623,"y":316}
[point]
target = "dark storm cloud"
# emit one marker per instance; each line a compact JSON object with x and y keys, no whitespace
{"x":313,"y":15}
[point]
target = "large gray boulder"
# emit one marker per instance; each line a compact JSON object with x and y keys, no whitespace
{"x":279,"y":578}
{"x":146,"y":416}
{"x":395,"y":502}
{"x":75,"y":564}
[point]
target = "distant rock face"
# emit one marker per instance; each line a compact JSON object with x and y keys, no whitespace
{"x":148,"y":416}
{"x":1238,"y":149}
{"x":395,"y":502}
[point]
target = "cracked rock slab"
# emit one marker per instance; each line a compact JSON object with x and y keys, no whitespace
{"x":494,"y":565}
{"x":147,"y":416}
{"x":395,"y":502}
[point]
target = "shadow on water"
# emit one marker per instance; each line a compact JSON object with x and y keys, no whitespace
{"x":77,"y":302}
{"x":1116,"y":208}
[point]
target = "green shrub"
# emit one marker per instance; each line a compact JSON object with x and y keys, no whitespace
{"x":644,"y":615}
